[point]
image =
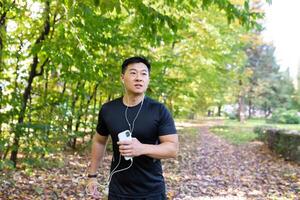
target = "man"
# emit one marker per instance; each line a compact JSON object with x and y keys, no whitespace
{"x":153,"y":138}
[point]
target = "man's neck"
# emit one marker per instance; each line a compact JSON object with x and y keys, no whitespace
{"x":132,"y":100}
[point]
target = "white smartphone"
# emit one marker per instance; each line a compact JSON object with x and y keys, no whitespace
{"x":125,"y":135}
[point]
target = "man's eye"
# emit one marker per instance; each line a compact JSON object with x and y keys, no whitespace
{"x":132,"y":72}
{"x":144,"y":74}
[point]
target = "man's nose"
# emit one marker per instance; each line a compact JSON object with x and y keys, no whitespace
{"x":138,"y":77}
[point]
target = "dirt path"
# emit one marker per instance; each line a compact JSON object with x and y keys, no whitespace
{"x":206,"y":168}
{"x":210,"y":168}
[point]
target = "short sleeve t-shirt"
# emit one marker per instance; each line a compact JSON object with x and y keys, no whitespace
{"x":144,"y":178}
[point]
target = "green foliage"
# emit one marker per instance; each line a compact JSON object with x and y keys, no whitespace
{"x":6,"y":164}
{"x":65,"y":56}
{"x":285,"y":116}
{"x":243,"y":13}
{"x":268,"y":88}
{"x":253,"y":129}
{"x":259,"y":127}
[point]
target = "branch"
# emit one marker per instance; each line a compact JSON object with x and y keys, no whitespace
{"x":46,"y":25}
{"x":2,"y":19}
{"x":3,"y":16}
{"x":42,"y":68}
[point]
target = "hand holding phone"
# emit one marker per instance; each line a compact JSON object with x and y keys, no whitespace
{"x":123,"y":136}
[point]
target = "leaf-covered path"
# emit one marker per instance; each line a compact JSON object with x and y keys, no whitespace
{"x":206,"y":168}
{"x":210,"y":168}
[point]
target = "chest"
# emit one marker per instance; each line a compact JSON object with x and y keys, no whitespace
{"x":144,"y":123}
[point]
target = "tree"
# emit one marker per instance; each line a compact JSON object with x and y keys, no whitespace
{"x":268,"y":87}
{"x":56,"y":76}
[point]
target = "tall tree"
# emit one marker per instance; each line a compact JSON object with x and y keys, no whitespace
{"x":36,"y":62}
{"x":268,"y":87}
{"x":85,"y":41}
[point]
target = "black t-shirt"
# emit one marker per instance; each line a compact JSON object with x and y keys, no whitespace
{"x":144,"y":178}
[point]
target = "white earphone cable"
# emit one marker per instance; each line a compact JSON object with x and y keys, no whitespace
{"x":114,"y":171}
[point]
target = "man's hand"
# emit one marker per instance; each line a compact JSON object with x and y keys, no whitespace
{"x":130,"y":148}
{"x":92,"y":188}
{"x":167,"y":148}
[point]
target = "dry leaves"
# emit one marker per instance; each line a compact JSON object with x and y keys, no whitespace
{"x":210,"y":168}
{"x":206,"y":168}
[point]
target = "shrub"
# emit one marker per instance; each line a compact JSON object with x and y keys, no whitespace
{"x":285,"y":117}
{"x":261,"y":132}
{"x":281,"y":141}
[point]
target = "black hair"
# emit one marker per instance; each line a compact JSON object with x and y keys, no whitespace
{"x":135,"y":59}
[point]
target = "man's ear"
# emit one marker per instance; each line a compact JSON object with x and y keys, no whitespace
{"x":122,"y":78}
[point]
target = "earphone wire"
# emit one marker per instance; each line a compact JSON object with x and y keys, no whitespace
{"x":94,"y":193}
{"x":131,"y":130}
{"x":131,"y":127}
{"x":113,"y":171}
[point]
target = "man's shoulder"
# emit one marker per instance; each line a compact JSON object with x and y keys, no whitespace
{"x":154,"y":103}
{"x":112,"y":103}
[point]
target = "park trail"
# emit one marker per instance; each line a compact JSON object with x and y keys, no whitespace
{"x":207,"y":168}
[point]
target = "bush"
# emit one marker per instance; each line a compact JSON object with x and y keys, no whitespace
{"x":6,"y":164}
{"x":261,"y":132}
{"x":281,"y":141}
{"x":285,"y":117}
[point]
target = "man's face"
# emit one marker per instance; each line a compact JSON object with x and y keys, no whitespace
{"x":136,"y":78}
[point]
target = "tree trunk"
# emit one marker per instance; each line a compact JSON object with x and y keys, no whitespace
{"x":266,"y":110}
{"x":5,"y":153}
{"x":32,"y":74}
{"x":109,"y":97}
{"x":269,"y":111}
{"x":209,"y":113}
{"x":219,"y":110}
{"x":79,"y":115}
{"x":241,"y":109}
{"x":94,"y":111}
{"x":70,"y":121}
{"x":2,"y":38}
{"x":46,"y":87}
{"x":61,"y":94}
{"x":250,"y":109}
{"x":45,"y":96}
{"x":88,"y":103}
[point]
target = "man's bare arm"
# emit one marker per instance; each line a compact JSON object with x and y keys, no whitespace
{"x":167,"y":148}
{"x":98,"y":149}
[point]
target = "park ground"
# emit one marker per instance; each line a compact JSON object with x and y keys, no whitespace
{"x":207,"y":167}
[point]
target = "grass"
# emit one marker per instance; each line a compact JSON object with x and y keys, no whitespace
{"x":251,"y":123}
{"x":240,"y":133}
{"x":235,"y":134}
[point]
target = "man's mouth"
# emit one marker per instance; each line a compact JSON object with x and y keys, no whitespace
{"x":138,"y":85}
